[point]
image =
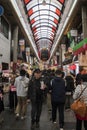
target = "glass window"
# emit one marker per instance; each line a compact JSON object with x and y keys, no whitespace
{"x":4,"y":27}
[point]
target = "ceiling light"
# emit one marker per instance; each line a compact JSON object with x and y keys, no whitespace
{"x":44,"y":2}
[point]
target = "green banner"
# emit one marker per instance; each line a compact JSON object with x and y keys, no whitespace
{"x":80,"y":44}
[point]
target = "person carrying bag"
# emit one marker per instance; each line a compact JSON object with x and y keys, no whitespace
{"x":80,"y":104}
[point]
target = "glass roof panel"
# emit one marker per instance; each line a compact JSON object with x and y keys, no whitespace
{"x":39,"y":32}
{"x":44,"y":12}
{"x":44,"y":40}
{"x":44,"y":28}
{"x":54,"y":23}
{"x":44,"y":20}
{"x":44,"y":24}
{"x":44,"y":35}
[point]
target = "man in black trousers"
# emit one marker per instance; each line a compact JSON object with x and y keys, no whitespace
{"x":58,"y":98}
{"x":35,"y":94}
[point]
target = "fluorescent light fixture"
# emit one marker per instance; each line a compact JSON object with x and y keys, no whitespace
{"x":17,"y":10}
{"x":66,"y":21}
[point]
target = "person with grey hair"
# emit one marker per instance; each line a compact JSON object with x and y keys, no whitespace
{"x":81,"y":88}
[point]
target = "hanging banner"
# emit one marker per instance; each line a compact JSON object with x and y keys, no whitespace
{"x":1,"y":10}
{"x":22,"y":44}
{"x":83,"y":59}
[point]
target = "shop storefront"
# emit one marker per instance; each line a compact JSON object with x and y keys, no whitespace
{"x":80,"y":50}
{"x":70,"y":63}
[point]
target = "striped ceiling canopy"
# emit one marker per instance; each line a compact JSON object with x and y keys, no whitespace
{"x":44,"y":17}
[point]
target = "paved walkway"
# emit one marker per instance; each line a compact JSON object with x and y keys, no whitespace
{"x":45,"y":124}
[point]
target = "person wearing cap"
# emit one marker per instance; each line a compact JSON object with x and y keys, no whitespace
{"x":35,"y":94}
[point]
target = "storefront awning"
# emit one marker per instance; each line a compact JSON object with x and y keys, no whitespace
{"x":80,"y":47}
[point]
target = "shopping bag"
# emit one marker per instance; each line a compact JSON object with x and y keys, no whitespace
{"x":79,"y":107}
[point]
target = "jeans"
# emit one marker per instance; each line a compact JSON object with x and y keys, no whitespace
{"x":68,"y":101}
{"x":60,"y":107}
{"x":49,"y":101}
{"x":36,"y":111}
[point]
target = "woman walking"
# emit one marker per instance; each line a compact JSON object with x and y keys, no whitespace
{"x":81,"y":88}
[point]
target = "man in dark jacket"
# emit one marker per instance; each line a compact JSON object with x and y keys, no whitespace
{"x":58,"y":98}
{"x":35,"y":94}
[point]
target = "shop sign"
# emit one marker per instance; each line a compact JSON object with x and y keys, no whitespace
{"x":83,"y":59}
{"x":74,"y":33}
{"x":1,"y":10}
{"x":27,"y":51}
{"x":54,"y":60}
{"x":22,"y":44}
{"x":63,"y":46}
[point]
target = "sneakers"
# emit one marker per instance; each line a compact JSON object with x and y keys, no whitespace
{"x":54,"y":122}
{"x":23,"y":117}
{"x":61,"y":129}
{"x":17,"y":116}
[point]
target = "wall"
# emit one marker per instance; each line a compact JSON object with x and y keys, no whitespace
{"x":4,"y":48}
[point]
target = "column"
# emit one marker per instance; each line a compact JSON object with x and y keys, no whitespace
{"x":63,"y":49}
{"x":28,"y":54}
{"x":84,"y":21}
{"x":15,"y":40}
{"x":60,"y":57}
{"x":1,"y":63}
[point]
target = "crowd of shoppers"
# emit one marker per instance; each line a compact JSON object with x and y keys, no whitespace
{"x":54,"y":87}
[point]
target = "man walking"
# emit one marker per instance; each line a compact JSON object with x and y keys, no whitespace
{"x":35,"y":94}
{"x":21,"y":84}
{"x":58,"y":98}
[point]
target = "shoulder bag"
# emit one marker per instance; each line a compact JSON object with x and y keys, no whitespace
{"x":78,"y":106}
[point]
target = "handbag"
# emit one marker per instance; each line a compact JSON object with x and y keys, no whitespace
{"x":78,"y":106}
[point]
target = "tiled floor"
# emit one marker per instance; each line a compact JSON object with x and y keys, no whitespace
{"x":45,"y":124}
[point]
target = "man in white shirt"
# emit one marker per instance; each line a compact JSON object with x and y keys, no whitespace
{"x":21,"y":84}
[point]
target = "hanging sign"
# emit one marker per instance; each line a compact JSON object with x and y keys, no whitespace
{"x":1,"y":10}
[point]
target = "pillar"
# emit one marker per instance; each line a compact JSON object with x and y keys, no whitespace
{"x":15,"y":47}
{"x":15,"y":39}
{"x":84,"y":21}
